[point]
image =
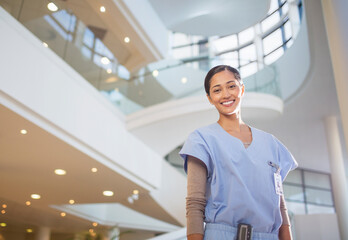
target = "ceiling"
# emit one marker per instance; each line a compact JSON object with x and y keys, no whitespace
{"x":210,"y":18}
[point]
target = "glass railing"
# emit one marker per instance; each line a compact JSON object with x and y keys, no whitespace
{"x":82,"y":47}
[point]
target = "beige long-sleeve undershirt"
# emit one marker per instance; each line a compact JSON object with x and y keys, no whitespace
{"x":196,"y":201}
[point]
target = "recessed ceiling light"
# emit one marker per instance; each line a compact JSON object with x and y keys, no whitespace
{"x":60,"y":172}
{"x":91,"y":230}
{"x":3,"y":211}
{"x":29,"y":230}
{"x":28,"y":203}
{"x":94,"y":170}
{"x":108,"y":70}
{"x":126,"y":39}
{"x":3,"y":224}
{"x":155,"y":73}
{"x":108,"y":193}
{"x":95,"y":224}
{"x":4,"y":206}
{"x":71,"y":201}
{"x":52,"y":7}
{"x":130,"y":200}
{"x":135,"y":191}
{"x":184,"y":80}
{"x":102,"y":9}
{"x":62,"y":214}
{"x":45,"y":44}
{"x":105,"y":60}
{"x":23,"y":131}
{"x":35,"y":196}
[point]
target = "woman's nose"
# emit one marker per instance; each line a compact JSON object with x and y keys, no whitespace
{"x":226,"y":93}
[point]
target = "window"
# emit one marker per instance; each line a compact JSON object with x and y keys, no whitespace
{"x":272,"y":41}
{"x":225,"y":43}
{"x":246,"y":35}
{"x":308,"y":192}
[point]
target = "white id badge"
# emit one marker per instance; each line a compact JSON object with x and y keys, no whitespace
{"x":278,"y":183}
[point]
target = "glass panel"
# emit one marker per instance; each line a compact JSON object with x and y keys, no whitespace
{"x":289,"y":43}
{"x":230,"y":58}
{"x":272,"y":41}
{"x":274,"y":5}
{"x":319,"y":196}
{"x":313,"y":209}
{"x":274,"y":56}
{"x":247,"y":54}
{"x":183,"y":52}
{"x":248,"y":70}
{"x":294,"y":177}
{"x":285,"y":8}
{"x":246,"y":35}
{"x":293,"y":193}
{"x":225,"y":43}
{"x":287,"y":30}
{"x":317,"y":180}
{"x":296,"y":208}
{"x":269,"y":22}
{"x":180,"y":39}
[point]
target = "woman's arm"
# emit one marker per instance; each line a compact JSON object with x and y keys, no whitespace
{"x":284,"y":230}
{"x":195,"y":201}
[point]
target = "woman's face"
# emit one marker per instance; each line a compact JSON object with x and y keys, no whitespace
{"x":225,"y":93}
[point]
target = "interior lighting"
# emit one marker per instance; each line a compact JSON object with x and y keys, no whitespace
{"x":60,"y":172}
{"x":28,"y":203}
{"x":102,"y":9}
{"x":4,"y":206}
{"x":23,"y":131}
{"x":135,"y":196}
{"x":155,"y":73}
{"x":95,"y":224}
{"x":108,"y":70}
{"x":130,"y":200}
{"x":62,"y":214}
{"x":108,"y":193}
{"x":3,"y":211}
{"x":91,"y":230}
{"x":184,"y":80}
{"x":111,"y":80}
{"x":3,"y":224}
{"x":52,"y":7}
{"x":126,"y":39}
{"x":35,"y":196}
{"x":94,"y":170}
{"x":135,"y":191}
{"x":71,"y":201}
{"x":29,"y":230}
{"x":45,"y":44}
{"x":105,"y":60}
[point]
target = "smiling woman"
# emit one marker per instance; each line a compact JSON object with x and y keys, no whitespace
{"x":231,"y":185}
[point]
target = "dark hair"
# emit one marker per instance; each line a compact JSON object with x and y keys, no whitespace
{"x":216,"y":70}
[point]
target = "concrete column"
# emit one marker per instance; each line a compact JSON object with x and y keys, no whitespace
{"x":338,"y":177}
{"x":43,"y":233}
{"x":336,"y":19}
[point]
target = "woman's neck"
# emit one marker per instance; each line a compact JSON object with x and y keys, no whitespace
{"x":232,"y":123}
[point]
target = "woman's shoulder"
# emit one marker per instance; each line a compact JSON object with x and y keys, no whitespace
{"x":266,"y":136}
{"x":205,"y":131}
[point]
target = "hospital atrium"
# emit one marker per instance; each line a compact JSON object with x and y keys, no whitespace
{"x":98,"y":96}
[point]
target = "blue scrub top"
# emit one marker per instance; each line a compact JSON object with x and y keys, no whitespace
{"x":240,"y":181}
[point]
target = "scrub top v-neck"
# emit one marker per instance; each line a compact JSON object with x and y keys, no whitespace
{"x":240,"y":183}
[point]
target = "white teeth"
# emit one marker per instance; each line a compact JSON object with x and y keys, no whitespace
{"x":226,"y":103}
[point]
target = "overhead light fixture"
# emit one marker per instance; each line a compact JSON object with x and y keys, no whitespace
{"x":108,"y":193}
{"x":184,"y":80}
{"x":29,"y":230}
{"x":3,"y":224}
{"x":62,"y":214}
{"x":102,"y":9}
{"x":105,"y":60}
{"x":52,"y":7}
{"x":45,"y":44}
{"x":60,"y":172}
{"x":155,"y":73}
{"x":23,"y":131}
{"x":4,"y":206}
{"x":108,"y":70}
{"x":95,"y":224}
{"x":28,"y":203}
{"x":130,"y":200}
{"x":35,"y":196}
{"x":135,"y":191}
{"x":3,"y":211}
{"x":94,"y":170}
{"x":126,"y":39}
{"x":71,"y":201}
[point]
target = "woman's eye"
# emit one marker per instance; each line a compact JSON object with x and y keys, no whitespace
{"x":216,"y":90}
{"x":233,"y":86}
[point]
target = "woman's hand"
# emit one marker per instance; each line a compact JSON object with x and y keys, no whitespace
{"x":285,"y":232}
{"x":195,"y":236}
